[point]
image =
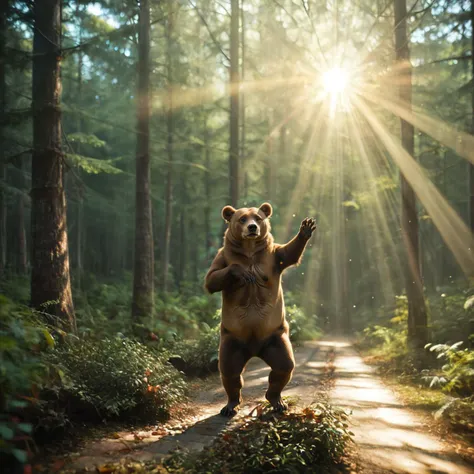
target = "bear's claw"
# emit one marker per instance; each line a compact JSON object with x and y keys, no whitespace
{"x":280,"y":407}
{"x":308,"y":226}
{"x":229,"y":410}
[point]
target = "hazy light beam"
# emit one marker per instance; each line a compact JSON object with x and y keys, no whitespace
{"x":451,"y":227}
{"x":461,"y":142}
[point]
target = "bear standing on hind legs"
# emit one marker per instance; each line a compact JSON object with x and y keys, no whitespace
{"x":248,"y":269}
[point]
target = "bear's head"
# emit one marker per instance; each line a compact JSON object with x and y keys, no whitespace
{"x":248,"y":223}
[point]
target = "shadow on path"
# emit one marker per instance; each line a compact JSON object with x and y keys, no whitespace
{"x":390,"y":438}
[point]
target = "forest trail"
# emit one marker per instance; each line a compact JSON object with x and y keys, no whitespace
{"x":389,"y":438}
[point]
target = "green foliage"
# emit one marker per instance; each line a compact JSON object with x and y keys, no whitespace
{"x":452,"y":315}
{"x":118,"y":377}
{"x":458,"y":371}
{"x":292,"y":443}
{"x":22,"y":337}
{"x":388,"y":343}
{"x":16,"y":288}
{"x":92,"y":165}
{"x":103,"y":308}
{"x":302,"y":328}
{"x":198,"y":356}
{"x":459,"y":413}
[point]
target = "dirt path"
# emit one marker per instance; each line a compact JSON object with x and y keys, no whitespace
{"x":202,"y":423}
{"x":389,"y":438}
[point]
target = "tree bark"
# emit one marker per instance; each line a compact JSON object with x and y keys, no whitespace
{"x":79,"y":188}
{"x":3,"y":103}
{"x":234,"y":104}
{"x":417,"y":314}
{"x":22,"y":256}
{"x":207,"y":187}
{"x":142,"y":304}
{"x":50,"y":280}
{"x":169,"y":146}
{"x":471,"y":165}
{"x":243,"y":151}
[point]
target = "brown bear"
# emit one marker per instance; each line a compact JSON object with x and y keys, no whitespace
{"x":248,"y":270}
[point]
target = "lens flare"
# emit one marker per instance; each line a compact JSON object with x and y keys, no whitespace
{"x":335,"y":80}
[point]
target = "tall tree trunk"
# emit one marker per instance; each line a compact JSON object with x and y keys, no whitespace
{"x":79,"y":188}
{"x":243,"y":152}
{"x":234,"y":104}
{"x":183,"y":247}
{"x":22,"y":256}
{"x":142,"y":304}
{"x":417,"y":314}
{"x":207,"y":189}
{"x":471,"y":165}
{"x":170,"y":132}
{"x":3,"y":103}
{"x":50,"y":281}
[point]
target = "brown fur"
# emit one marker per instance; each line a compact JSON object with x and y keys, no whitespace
{"x":248,"y":270}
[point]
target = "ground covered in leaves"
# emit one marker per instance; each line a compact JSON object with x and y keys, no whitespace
{"x":290,"y":443}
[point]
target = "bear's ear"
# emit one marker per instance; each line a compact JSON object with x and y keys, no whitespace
{"x":227,"y":213}
{"x":267,"y":209}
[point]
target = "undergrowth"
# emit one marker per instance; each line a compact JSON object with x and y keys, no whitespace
{"x":446,"y":369}
{"x":292,"y":443}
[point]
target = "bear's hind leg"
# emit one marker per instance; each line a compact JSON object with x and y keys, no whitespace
{"x":233,"y":356}
{"x":278,"y":354}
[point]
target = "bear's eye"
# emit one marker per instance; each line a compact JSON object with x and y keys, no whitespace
{"x":258,"y":218}
{"x":242,"y":220}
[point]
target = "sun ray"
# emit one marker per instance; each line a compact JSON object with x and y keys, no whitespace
{"x":451,"y":227}
{"x":461,"y":142}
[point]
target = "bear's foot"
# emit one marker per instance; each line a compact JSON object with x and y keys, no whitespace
{"x":230,"y":409}
{"x":277,"y":403}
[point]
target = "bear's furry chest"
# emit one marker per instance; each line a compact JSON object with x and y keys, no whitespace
{"x":254,"y":309}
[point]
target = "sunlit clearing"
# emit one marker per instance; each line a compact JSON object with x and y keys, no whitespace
{"x":335,"y":80}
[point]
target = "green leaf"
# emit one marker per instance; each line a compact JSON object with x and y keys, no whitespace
{"x":21,"y":455}
{"x":49,"y":338}
{"x":25,"y":427}
{"x":18,"y":404}
{"x":85,"y":139}
{"x":6,"y":432}
{"x":93,"y":165}
{"x":469,"y":303}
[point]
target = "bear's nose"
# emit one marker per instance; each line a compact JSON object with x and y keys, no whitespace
{"x":252,"y":227}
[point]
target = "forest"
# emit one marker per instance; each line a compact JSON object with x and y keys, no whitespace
{"x":125,"y":129}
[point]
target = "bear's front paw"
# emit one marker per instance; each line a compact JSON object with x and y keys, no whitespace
{"x":308,"y":226}
{"x":240,"y":275}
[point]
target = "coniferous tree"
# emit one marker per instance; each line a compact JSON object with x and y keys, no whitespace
{"x":234,"y":104}
{"x":417,"y":314}
{"x":4,"y":7}
{"x":142,"y":304}
{"x":50,"y":281}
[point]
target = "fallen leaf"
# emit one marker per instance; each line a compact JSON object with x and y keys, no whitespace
{"x":105,"y":469}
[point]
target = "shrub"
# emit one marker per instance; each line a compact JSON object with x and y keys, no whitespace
{"x":458,"y":371}
{"x":314,"y":440}
{"x":103,"y":308}
{"x":302,"y":328}
{"x":118,"y":377}
{"x":452,"y":314}
{"x":22,"y":337}
{"x":197,"y":357}
{"x":293,"y":443}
